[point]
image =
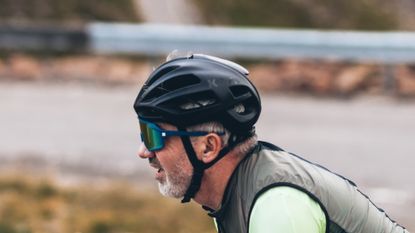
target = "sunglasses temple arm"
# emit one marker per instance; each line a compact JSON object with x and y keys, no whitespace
{"x":181,"y":133}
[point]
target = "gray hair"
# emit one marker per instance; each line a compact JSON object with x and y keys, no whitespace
{"x":177,"y":54}
{"x":240,"y":149}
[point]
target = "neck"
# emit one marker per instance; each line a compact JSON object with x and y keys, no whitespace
{"x":215,"y":180}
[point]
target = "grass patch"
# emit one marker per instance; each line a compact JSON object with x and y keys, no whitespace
{"x":326,"y":14}
{"x":35,"y":205}
{"x":68,"y":10}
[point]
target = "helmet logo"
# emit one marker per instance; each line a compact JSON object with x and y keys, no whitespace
{"x":212,"y":83}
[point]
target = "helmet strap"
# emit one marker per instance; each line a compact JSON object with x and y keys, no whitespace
{"x":199,"y":167}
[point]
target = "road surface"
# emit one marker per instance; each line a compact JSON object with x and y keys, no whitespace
{"x":86,"y":131}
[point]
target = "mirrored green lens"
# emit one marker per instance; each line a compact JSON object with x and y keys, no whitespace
{"x":151,"y":137}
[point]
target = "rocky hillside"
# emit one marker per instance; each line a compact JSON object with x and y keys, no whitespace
{"x":324,"y":14}
{"x":323,"y":78}
{"x":67,"y":11}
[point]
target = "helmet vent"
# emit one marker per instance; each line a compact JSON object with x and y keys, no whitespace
{"x":180,"y":82}
{"x":161,"y":73}
{"x":172,"y":85}
{"x":240,"y":108}
{"x":193,"y":101}
{"x":239,"y":90}
{"x":197,"y":104}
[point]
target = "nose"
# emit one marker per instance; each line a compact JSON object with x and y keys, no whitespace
{"x":144,"y":153}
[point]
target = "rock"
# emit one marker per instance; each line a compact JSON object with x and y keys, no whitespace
{"x":353,"y":79}
{"x":317,"y":77}
{"x":264,"y":77}
{"x":118,"y":70}
{"x":405,"y":77}
{"x":141,"y":72}
{"x":99,"y":69}
{"x":283,"y":76}
{"x":77,"y":68}
{"x":291,"y":75}
{"x":295,"y":76}
{"x":24,"y":67}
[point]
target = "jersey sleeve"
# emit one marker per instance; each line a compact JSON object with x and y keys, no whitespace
{"x":286,"y":210}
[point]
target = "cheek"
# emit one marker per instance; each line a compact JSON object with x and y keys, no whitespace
{"x":172,"y":154}
{"x":172,"y":147}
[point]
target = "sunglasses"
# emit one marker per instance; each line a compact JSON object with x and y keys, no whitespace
{"x":153,"y":136}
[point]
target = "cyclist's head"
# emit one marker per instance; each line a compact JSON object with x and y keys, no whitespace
{"x":193,"y":94}
{"x":196,"y":89}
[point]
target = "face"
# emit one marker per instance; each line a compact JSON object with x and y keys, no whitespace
{"x":173,"y":168}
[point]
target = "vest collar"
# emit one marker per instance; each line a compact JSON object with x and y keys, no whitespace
{"x":230,"y":187}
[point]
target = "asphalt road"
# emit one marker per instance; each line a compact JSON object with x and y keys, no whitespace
{"x":89,"y":131}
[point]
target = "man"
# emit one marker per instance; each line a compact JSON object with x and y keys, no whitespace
{"x":197,"y":117}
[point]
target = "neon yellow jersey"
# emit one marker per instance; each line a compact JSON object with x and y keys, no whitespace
{"x":286,"y":210}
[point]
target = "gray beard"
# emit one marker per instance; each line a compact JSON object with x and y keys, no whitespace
{"x":176,"y":182}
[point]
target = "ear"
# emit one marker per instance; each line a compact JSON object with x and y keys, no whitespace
{"x":211,"y":145}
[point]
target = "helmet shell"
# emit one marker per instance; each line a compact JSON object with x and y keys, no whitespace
{"x":200,"y":88}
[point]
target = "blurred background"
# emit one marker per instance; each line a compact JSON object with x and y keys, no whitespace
{"x":337,"y":80}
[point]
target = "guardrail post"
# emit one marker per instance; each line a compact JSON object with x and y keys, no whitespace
{"x":389,"y":79}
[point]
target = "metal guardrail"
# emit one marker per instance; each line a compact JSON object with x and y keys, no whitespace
{"x":147,"y":39}
{"x":159,"y":40}
{"x":47,"y":38}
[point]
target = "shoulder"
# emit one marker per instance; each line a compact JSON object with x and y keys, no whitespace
{"x":286,"y":209}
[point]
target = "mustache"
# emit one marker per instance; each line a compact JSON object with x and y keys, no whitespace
{"x":154,"y":161}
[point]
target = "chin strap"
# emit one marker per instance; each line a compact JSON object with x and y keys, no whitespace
{"x":199,"y":167}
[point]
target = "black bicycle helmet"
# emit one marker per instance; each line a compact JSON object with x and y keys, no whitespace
{"x":196,"y":89}
{"x":214,"y":88}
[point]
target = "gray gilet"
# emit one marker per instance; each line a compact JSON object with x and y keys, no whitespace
{"x":345,"y":207}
